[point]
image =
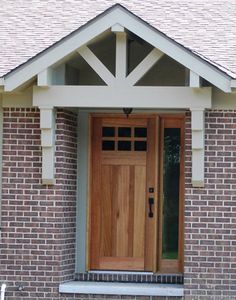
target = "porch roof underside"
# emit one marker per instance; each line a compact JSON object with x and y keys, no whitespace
{"x":205,"y":68}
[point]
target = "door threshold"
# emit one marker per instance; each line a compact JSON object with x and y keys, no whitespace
{"x":121,"y":272}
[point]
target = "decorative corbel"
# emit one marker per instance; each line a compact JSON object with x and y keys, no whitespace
{"x":47,"y":126}
{"x":197,"y":147}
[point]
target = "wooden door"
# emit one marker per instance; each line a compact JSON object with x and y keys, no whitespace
{"x":123,"y":205}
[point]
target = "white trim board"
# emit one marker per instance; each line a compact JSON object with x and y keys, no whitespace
{"x":82,"y":190}
{"x":124,"y":96}
{"x":118,"y":288}
{"x":102,"y":23}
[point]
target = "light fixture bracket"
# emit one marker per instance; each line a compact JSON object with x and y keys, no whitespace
{"x":127,"y":111}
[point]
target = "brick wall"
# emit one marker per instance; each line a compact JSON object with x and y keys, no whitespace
{"x":38,"y":222}
{"x":210,"y":213}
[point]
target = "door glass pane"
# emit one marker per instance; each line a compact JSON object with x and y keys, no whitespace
{"x":124,"y":131}
{"x":140,"y":146}
{"x":108,"y":131}
{"x":124,"y":145}
{"x":140,"y":132}
{"x":171,"y":173}
{"x":108,"y":145}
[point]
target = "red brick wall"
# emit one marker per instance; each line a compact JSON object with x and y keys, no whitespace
{"x":210,"y":213}
{"x":38,"y":222}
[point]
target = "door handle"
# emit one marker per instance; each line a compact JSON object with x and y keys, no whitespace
{"x":151,"y":203}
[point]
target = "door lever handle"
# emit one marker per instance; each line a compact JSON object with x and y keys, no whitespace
{"x":151,"y":203}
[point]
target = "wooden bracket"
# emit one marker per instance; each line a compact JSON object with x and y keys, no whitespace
{"x":197,"y":147}
{"x":47,"y":125}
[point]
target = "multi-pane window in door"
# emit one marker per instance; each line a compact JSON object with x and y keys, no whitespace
{"x":124,"y":138}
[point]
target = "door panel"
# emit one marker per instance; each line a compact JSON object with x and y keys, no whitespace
{"x":121,"y":201}
{"x":139,"y":209}
{"x":119,"y":214}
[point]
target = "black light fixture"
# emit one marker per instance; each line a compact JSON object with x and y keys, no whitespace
{"x":127,"y":111}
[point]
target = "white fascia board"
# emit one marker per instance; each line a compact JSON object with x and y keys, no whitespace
{"x":125,"y":96}
{"x":102,"y":23}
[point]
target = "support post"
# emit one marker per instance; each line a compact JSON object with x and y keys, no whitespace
{"x":194,"y":80}
{"x":47,"y":126}
{"x":197,"y":147}
{"x":121,"y":52}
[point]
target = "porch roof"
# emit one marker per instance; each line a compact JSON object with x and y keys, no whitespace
{"x":204,"y":29}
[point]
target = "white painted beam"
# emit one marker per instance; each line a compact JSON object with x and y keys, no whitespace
{"x":197,"y":124}
{"x":47,"y":125}
{"x":117,"y":28}
{"x":1,"y":81}
{"x":121,"y":56}
{"x":194,"y":80}
{"x":45,"y":77}
{"x":96,"y":65}
{"x":124,"y":96}
{"x":144,"y":66}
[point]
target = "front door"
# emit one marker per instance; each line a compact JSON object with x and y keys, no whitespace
{"x":123,"y":206}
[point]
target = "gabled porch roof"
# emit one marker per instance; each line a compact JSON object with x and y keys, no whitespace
{"x":121,"y":16}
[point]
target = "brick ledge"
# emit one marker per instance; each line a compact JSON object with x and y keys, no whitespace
{"x":118,"y":288}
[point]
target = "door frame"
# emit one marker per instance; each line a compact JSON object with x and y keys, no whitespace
{"x":162,"y":116}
